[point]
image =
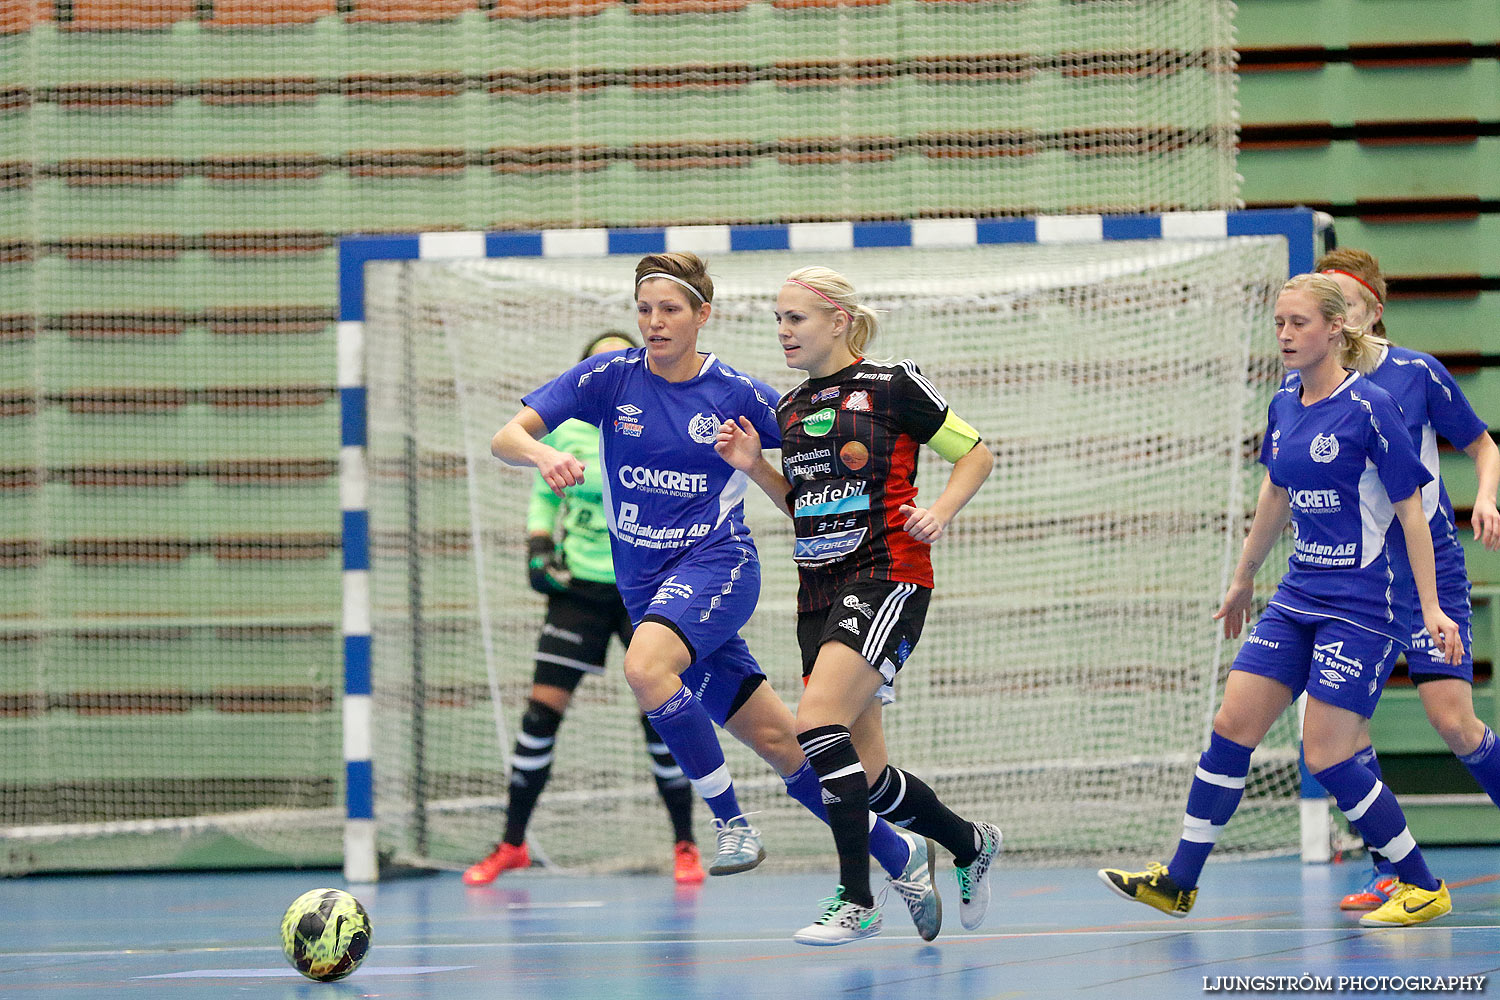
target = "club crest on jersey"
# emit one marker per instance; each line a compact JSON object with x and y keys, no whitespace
{"x":858,"y":401}
{"x":703,"y":428}
{"x":832,"y":392}
{"x":1324,"y":448}
{"x":820,"y":423}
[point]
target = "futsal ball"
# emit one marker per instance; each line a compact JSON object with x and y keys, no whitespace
{"x":325,"y":934}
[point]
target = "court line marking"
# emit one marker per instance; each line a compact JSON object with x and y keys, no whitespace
{"x":378,"y":970}
{"x":892,"y":941}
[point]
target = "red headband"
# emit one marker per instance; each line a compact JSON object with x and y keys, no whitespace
{"x":1362,"y":281}
{"x":820,"y":295}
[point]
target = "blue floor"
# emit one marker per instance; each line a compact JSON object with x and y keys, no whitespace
{"x":535,"y":936}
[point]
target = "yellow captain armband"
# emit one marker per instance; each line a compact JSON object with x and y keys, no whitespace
{"x":954,"y":439}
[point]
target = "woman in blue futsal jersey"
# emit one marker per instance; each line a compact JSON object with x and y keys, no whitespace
{"x":1343,"y":470}
{"x":584,"y":611}
{"x":849,"y":437}
{"x":685,"y":563}
{"x":1432,"y":404}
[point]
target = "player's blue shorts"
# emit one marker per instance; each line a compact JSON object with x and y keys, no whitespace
{"x":1335,"y":661}
{"x":723,"y":680}
{"x":1423,"y":660}
{"x":706,"y":600}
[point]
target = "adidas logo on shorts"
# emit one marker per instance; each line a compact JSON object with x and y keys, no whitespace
{"x":852,"y":624}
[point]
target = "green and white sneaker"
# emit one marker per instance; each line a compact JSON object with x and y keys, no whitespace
{"x":842,"y":921}
{"x":739,"y":847}
{"x":974,"y":878}
{"x":918,"y":887}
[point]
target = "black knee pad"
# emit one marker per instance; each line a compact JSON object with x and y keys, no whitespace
{"x":540,"y":720}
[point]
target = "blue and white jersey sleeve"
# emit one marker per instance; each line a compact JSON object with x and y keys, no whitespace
{"x":757,"y":403}
{"x":580,"y":392}
{"x":1431,"y":404}
{"x":1448,"y":410}
{"x":1393,"y":454}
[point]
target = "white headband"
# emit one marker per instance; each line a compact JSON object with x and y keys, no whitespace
{"x":671,"y":277}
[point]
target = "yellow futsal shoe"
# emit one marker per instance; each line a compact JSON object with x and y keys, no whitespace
{"x":1154,"y":887}
{"x":1410,"y":905}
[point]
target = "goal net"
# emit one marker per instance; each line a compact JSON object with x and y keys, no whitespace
{"x":1067,"y":676}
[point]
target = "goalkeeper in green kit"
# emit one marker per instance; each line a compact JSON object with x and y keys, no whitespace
{"x":583,"y":611}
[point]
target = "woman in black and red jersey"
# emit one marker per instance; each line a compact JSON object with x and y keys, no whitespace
{"x":850,"y":436}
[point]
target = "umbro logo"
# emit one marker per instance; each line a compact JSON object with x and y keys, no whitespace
{"x":629,"y":410}
{"x":852,"y":624}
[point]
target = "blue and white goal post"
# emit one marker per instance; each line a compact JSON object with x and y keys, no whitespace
{"x":1302,"y":230}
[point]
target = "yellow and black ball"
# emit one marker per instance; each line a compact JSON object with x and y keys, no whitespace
{"x":325,"y":934}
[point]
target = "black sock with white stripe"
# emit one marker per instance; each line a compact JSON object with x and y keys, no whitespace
{"x":831,"y":753}
{"x":530,"y":767}
{"x":671,"y":784}
{"x":903,"y":799}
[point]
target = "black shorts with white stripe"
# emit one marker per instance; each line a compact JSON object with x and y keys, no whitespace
{"x":575,"y":637}
{"x":878,"y":619}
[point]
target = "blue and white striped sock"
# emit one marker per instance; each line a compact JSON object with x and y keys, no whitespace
{"x":1372,"y":809}
{"x":685,"y":727}
{"x":1484,"y":765}
{"x":1371,"y":760}
{"x":1215,"y":794}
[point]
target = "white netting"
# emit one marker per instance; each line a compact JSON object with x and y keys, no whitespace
{"x":175,"y":176}
{"x":1069,"y":668}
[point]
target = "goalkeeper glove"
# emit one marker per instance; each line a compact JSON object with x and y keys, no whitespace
{"x":545,"y":570}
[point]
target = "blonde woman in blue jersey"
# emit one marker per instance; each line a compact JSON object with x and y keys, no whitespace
{"x":584,"y":611}
{"x":685,"y":562}
{"x":1344,"y":473}
{"x":1432,"y":404}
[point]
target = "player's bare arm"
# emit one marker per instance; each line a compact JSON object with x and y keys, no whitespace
{"x":517,"y":443}
{"x":738,"y":444}
{"x":1273,"y":511}
{"x":1486,"y":519}
{"x":927,"y":524}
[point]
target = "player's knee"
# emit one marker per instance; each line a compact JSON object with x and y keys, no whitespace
{"x":1460,"y":730}
{"x":813,"y":716}
{"x":643,"y":672}
{"x":1233,"y":726}
{"x":784,"y":756}
{"x":779,"y":748}
{"x":1320,"y":757}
